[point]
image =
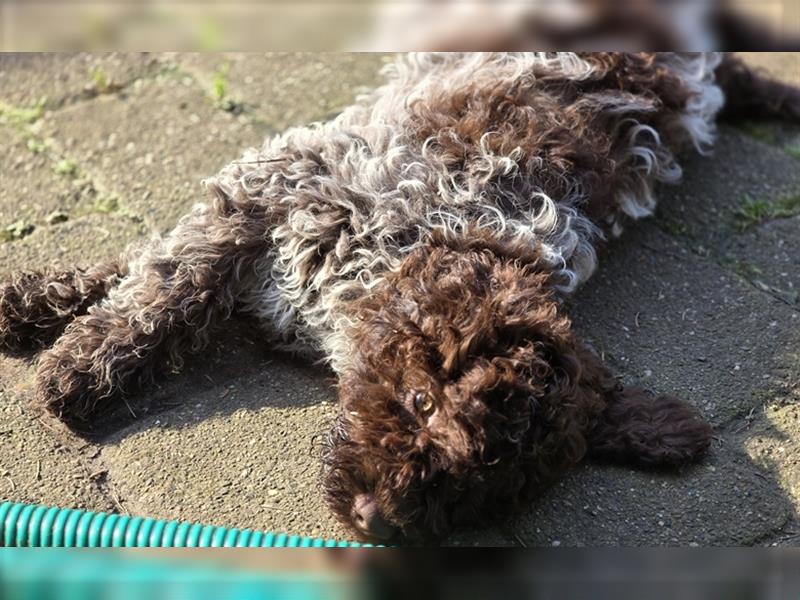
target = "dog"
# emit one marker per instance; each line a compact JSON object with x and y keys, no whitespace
{"x":423,"y":242}
{"x":439,"y":25}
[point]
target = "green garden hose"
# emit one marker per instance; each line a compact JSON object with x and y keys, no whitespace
{"x":28,"y":525}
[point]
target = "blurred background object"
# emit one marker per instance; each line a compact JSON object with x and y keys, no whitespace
{"x":636,"y":25}
{"x":387,"y":574}
{"x":57,"y":574}
{"x":381,"y":25}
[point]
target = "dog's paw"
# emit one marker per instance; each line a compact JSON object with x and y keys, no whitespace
{"x":640,"y":429}
{"x":36,"y":307}
{"x":66,"y":384}
{"x":675,"y":434}
{"x":26,"y":318}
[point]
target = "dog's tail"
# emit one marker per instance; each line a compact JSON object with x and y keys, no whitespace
{"x":35,"y":307}
{"x":750,"y":93}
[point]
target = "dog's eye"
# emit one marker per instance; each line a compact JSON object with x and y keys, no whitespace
{"x":423,"y":403}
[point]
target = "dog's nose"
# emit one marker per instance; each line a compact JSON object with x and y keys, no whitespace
{"x":369,"y":520}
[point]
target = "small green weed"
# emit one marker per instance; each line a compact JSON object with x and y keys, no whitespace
{"x":15,"y":115}
{"x":16,"y":231}
{"x":793,"y":150}
{"x":220,"y":91}
{"x":66,"y":167}
{"x":99,"y":79}
{"x":106,"y":205}
{"x":36,"y":146}
{"x":764,"y":132}
{"x":753,"y":211}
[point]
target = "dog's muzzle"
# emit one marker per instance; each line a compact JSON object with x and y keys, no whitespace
{"x":369,"y":520}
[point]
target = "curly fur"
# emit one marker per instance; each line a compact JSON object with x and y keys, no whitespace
{"x":35,"y":307}
{"x":422,"y":243}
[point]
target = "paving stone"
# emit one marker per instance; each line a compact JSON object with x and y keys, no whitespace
{"x":238,"y":443}
{"x":702,"y":210}
{"x":31,"y":192}
{"x":29,"y":188}
{"x":726,"y":501}
{"x":288,"y":88}
{"x":769,"y":257}
{"x":81,"y":242}
{"x":37,"y":466}
{"x":764,"y":254}
{"x":772,"y":440}
{"x":152,"y":145}
{"x":26,"y":78}
{"x":678,"y":323}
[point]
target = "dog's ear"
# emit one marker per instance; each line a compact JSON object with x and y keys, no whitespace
{"x":636,"y":427}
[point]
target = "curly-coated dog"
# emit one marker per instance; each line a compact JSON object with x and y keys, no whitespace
{"x":424,"y":243}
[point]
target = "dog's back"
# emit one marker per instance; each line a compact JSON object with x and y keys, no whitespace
{"x":554,"y":149}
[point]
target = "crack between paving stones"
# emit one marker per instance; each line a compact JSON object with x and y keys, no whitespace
{"x":716,"y":261}
{"x":81,"y":97}
{"x":88,"y":456}
{"x":726,"y":426}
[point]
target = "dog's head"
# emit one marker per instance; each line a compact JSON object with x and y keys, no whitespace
{"x":455,"y":407}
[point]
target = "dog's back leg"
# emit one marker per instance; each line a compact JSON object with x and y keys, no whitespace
{"x":749,"y":93}
{"x":176,"y":290}
{"x":35,"y":307}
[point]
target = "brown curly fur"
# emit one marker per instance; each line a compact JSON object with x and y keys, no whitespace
{"x":35,"y":307}
{"x":517,"y":397}
{"x":566,"y":132}
{"x":176,"y":291}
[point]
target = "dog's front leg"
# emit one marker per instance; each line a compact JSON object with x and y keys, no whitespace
{"x":176,"y":289}
{"x":651,"y":431}
{"x":636,"y":427}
